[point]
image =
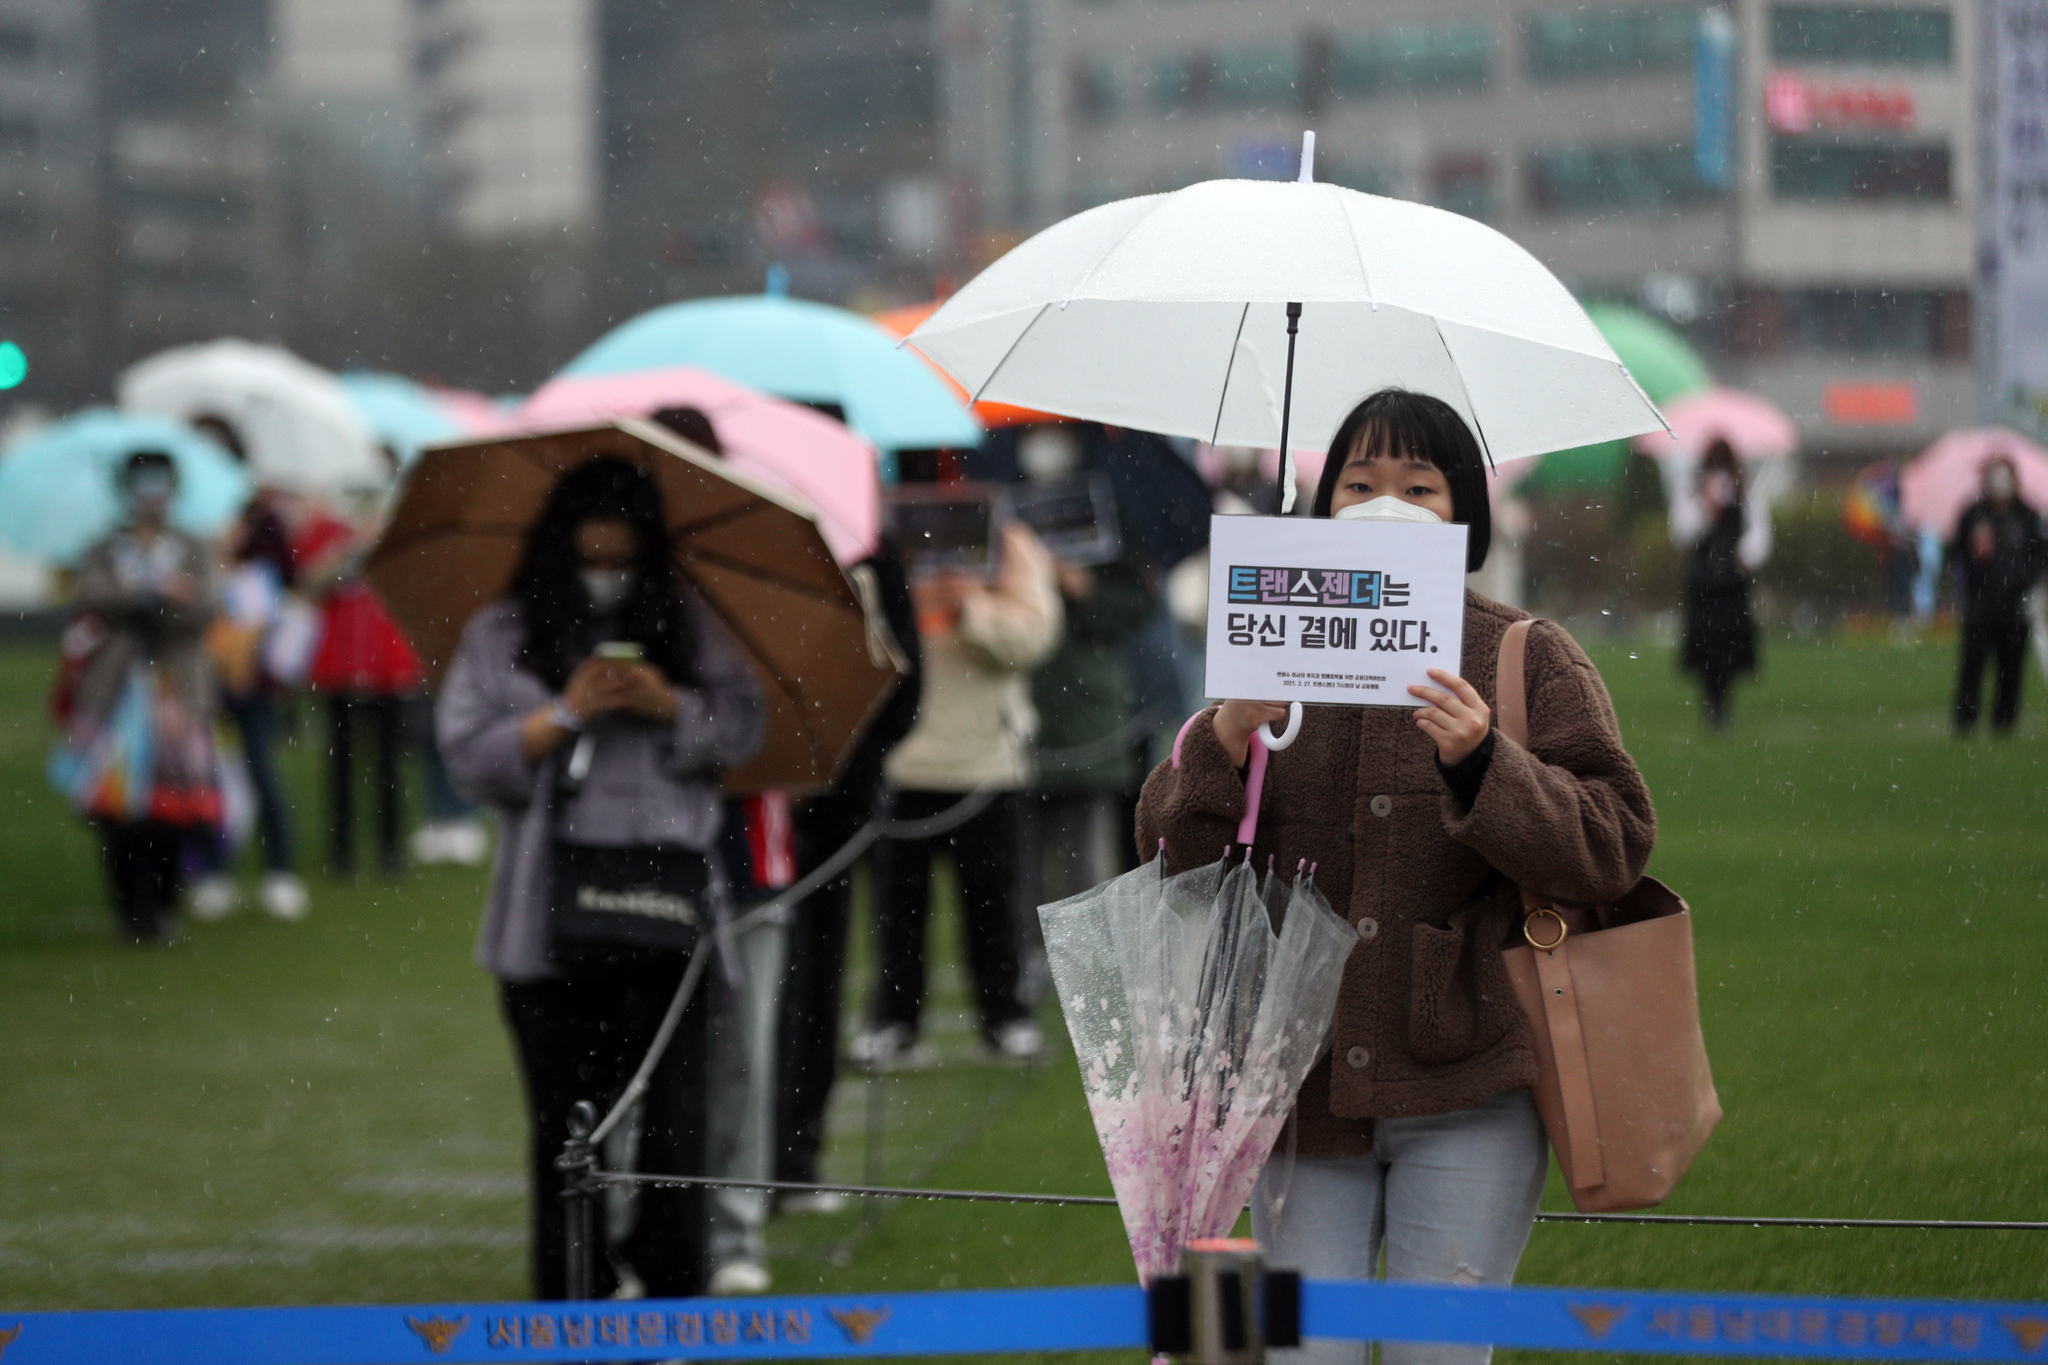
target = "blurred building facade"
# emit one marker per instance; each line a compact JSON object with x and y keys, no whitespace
{"x":1792,"y":182}
{"x":743,"y":133}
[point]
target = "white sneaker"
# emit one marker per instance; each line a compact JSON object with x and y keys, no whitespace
{"x":466,"y":842}
{"x":888,"y":1047}
{"x":740,"y":1277}
{"x":214,"y":897}
{"x":1020,"y":1040}
{"x":820,"y":1202}
{"x":283,"y":896}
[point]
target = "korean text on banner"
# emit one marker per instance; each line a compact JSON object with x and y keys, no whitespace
{"x":1345,"y":613}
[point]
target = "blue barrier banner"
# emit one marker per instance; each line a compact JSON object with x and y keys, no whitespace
{"x":974,"y":1322}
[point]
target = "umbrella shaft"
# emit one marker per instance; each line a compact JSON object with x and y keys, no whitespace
{"x":1287,"y":396}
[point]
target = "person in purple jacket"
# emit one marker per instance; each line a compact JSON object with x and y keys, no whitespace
{"x":581,"y":747}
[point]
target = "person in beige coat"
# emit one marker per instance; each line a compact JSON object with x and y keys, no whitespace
{"x":975,"y":724}
{"x":1417,"y":1133}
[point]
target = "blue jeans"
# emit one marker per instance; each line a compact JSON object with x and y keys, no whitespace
{"x":1450,"y":1198}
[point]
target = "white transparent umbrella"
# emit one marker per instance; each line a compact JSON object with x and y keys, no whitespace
{"x":296,"y":421}
{"x":1177,"y":313}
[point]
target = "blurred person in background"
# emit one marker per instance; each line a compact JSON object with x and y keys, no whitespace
{"x":527,"y":703}
{"x":257,"y":642}
{"x":1724,"y":545}
{"x":1998,"y":551}
{"x":367,"y":670}
{"x":136,"y":700}
{"x":807,"y":1060}
{"x":1084,"y":698}
{"x":974,"y":729}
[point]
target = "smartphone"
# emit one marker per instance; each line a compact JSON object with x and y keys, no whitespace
{"x":621,"y":651}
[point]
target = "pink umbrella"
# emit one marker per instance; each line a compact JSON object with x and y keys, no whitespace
{"x":789,"y":446}
{"x":1938,"y":483}
{"x":1753,"y":427}
{"x":475,"y":413}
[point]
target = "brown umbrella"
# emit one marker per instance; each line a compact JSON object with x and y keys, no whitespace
{"x":753,"y":552}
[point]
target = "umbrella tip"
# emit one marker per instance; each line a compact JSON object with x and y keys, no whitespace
{"x":777,"y":284}
{"x":1307,"y":174}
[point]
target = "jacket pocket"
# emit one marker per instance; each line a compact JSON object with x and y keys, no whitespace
{"x":1448,"y":1021}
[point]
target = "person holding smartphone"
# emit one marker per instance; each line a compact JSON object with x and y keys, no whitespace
{"x":595,"y":705}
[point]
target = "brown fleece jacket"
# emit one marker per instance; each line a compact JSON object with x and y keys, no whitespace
{"x":1426,"y":1021}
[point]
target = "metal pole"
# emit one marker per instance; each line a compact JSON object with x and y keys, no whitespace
{"x":1287,"y":397}
{"x":578,"y":1165}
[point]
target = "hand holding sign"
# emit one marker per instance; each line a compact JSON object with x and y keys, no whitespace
{"x":1457,"y":718}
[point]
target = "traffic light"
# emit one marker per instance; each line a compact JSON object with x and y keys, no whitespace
{"x":13,"y":365}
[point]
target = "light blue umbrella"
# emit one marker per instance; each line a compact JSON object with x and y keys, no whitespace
{"x":402,"y":412}
{"x":802,"y":351}
{"x":57,"y":485}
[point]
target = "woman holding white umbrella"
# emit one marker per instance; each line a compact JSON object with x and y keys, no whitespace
{"x":1417,"y":1135}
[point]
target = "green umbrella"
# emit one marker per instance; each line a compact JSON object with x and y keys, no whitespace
{"x":1666,"y":366}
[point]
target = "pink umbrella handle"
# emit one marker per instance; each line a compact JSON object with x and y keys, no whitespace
{"x":1254,"y":779}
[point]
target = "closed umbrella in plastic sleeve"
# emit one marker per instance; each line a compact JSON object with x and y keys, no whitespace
{"x":1197,"y":1001}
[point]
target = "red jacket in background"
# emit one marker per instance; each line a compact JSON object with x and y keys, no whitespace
{"x":361,"y":648}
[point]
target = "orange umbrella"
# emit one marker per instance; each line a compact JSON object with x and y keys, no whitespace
{"x":902,"y":321}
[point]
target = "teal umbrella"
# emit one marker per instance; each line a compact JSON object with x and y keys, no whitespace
{"x":402,"y":412}
{"x":798,"y":350}
{"x":57,"y":485}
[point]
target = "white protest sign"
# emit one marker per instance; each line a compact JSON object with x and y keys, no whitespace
{"x":1344,"y":613}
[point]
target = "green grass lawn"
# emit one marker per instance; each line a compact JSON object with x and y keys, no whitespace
{"x":326,"y":1112}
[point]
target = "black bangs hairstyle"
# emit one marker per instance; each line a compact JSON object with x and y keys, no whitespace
{"x":1417,"y":424}
{"x":550,"y":593}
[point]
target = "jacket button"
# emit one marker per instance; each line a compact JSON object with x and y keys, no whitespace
{"x":1382,"y":806}
{"x":1357,"y":1058}
{"x":1368,"y":929}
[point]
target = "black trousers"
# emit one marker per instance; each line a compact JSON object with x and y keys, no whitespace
{"x":144,"y":875}
{"x":256,"y":717}
{"x":385,"y":716}
{"x":581,"y":1038}
{"x":985,"y":853}
{"x":807,"y":1060}
{"x":2006,"y":641}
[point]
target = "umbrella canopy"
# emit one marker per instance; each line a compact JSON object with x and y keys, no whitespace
{"x":795,"y":349}
{"x":1194,"y":1024}
{"x":1168,"y":313}
{"x":1667,"y":367}
{"x":57,"y":486}
{"x":753,"y":552}
{"x":784,"y":445}
{"x":408,"y":416}
{"x":1941,"y":481}
{"x":297,"y":423}
{"x":901,"y":322}
{"x":1755,"y":428}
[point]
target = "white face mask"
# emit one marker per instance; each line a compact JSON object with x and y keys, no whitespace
{"x":607,"y":588}
{"x":1387,"y":507}
{"x":1998,"y":482}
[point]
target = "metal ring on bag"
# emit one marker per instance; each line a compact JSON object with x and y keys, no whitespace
{"x":1556,"y":943}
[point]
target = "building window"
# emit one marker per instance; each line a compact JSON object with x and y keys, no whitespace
{"x":1614,"y":176}
{"x":1411,"y":58}
{"x":17,"y":43}
{"x":1824,"y":168}
{"x":1918,"y":322}
{"x":1097,"y":90}
{"x":1575,"y":44}
{"x":1463,"y":183}
{"x":1851,"y":33}
{"x":1263,"y":77}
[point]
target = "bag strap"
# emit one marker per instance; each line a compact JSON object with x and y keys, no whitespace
{"x":1510,"y":684}
{"x":1553,"y":968}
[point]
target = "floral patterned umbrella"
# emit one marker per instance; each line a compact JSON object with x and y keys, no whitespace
{"x":1195,"y":1021}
